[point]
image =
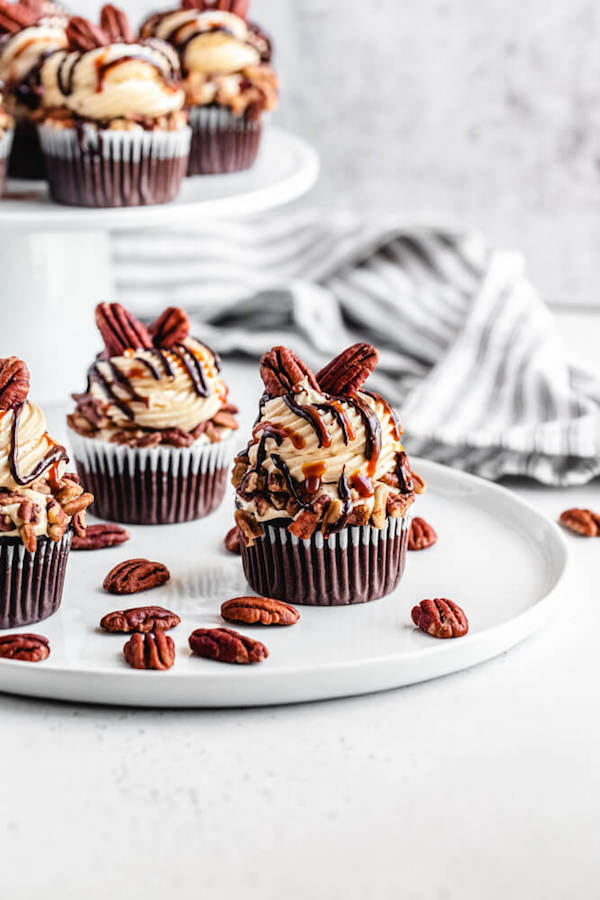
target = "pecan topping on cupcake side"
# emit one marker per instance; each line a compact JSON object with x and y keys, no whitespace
{"x":325,"y":452}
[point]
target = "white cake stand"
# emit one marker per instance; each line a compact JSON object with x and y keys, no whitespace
{"x":55,"y":260}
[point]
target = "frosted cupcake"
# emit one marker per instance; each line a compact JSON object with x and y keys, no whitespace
{"x":29,"y":32}
{"x":40,"y":505}
{"x":6,"y":140}
{"x":151,"y":432}
{"x":229,"y":82}
{"x":324,"y":487}
{"x":113,"y":131}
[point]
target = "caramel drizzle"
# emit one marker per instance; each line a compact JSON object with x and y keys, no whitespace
{"x":337,"y":411}
{"x":54,"y":455}
{"x":311,"y":415}
{"x":65,"y":79}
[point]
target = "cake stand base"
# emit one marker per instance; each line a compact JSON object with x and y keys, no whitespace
{"x":51,"y":283}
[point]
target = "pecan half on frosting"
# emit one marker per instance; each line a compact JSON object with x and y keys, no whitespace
{"x":14,"y":382}
{"x":120,"y":330}
{"x":237,"y":7}
{"x":172,"y":327}
{"x":349,"y":370}
{"x":14,"y":17}
{"x":281,"y":370}
{"x":83,"y":35}
{"x":115,"y":25}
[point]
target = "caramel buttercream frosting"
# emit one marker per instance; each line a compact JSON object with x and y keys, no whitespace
{"x":38,"y":498}
{"x":153,"y":386}
{"x":325,"y":452}
{"x":108,"y":76}
{"x":225,"y":59}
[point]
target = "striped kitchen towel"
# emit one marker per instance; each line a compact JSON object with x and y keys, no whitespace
{"x":469,"y":353}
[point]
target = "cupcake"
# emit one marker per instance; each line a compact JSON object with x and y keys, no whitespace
{"x":40,"y":505}
{"x":6,"y":140}
{"x":113,"y":131}
{"x":151,"y":432}
{"x":30,"y":31}
{"x":228,"y":80}
{"x":324,"y":487}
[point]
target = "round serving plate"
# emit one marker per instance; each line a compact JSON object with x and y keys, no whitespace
{"x":286,"y":168}
{"x":496,"y":556}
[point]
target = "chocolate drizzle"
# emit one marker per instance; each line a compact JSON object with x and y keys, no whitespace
{"x":311,"y":415}
{"x":404,"y":473}
{"x":338,"y":414}
{"x":268,"y":432}
{"x":95,"y":375}
{"x":193,"y":367}
{"x":54,"y":454}
{"x":372,"y":428}
{"x":289,"y":480}
{"x":396,"y":426}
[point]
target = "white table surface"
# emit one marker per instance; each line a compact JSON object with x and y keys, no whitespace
{"x":480,"y":785}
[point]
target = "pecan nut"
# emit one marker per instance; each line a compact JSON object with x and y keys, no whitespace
{"x":14,"y":382}
{"x":120,"y":330}
{"x":225,"y":420}
{"x":250,"y":529}
{"x":581,"y":521}
{"x":150,"y":651}
{"x":304,"y":525}
{"x":135,"y":575}
{"x":233,"y":540}
{"x":225,"y":645}
{"x":105,"y":534}
{"x":259,"y":611}
{"x":84,"y":35}
{"x":172,"y":327}
{"x":14,"y":17}
{"x":26,"y":647}
{"x":115,"y":24}
{"x":238,"y":7}
{"x":281,"y":370}
{"x":421,"y":534}
{"x":141,"y":619}
{"x":349,"y":370}
{"x":440,"y":618}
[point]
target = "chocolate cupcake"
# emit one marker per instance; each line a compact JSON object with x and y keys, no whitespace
{"x":40,"y":505}
{"x":228,"y":80}
{"x":151,"y":432}
{"x":6,"y":140}
{"x":324,"y":487}
{"x":30,"y":31}
{"x":113,"y":132}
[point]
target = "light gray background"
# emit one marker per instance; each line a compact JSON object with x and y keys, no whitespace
{"x":487,"y":113}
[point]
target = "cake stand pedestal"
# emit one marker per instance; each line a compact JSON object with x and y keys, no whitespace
{"x":56,"y":260}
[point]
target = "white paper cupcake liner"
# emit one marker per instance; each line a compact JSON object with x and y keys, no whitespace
{"x":31,"y":584}
{"x":222,"y":142}
{"x":152,"y":485}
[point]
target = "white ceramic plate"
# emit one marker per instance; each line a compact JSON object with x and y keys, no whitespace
{"x":508,"y":587}
{"x":286,"y":168}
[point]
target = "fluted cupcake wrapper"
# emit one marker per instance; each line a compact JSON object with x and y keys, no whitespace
{"x":6,"y":142}
{"x":31,"y":584}
{"x":355,"y":565}
{"x":222,"y":142}
{"x":153,"y":485}
{"x":98,"y":167}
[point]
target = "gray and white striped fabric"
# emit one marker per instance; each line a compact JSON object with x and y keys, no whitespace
{"x":469,"y":353}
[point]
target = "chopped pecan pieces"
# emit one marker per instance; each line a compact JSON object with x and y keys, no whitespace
{"x":78,"y":504}
{"x":14,"y":382}
{"x":233,"y":540}
{"x":421,"y":534}
{"x":304,"y":526}
{"x":150,"y":651}
{"x":172,"y":327}
{"x":440,"y":618}
{"x":582,"y":521}
{"x":135,"y":575}
{"x":28,"y":536}
{"x":281,"y":370}
{"x":225,"y":420}
{"x":105,"y":534}
{"x":115,"y":25}
{"x":26,"y":647}
{"x":249,"y":527}
{"x":259,"y":611}
{"x":142,"y":619}
{"x":225,"y":645}
{"x":349,"y":370}
{"x":119,"y":329}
